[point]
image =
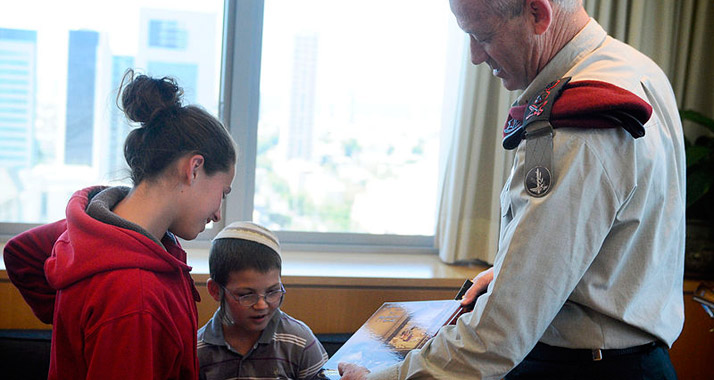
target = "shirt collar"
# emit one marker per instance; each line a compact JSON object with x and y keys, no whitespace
{"x":213,"y":334}
{"x":587,"y":40}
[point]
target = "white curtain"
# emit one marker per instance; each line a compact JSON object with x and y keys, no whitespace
{"x":675,"y":34}
{"x":476,"y":168}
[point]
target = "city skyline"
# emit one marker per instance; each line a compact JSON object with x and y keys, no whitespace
{"x":80,"y":142}
{"x":340,"y":141}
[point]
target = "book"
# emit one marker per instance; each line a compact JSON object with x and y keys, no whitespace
{"x":705,"y":296}
{"x":393,"y":330}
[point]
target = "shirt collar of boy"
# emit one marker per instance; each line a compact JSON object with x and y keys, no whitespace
{"x":213,"y":334}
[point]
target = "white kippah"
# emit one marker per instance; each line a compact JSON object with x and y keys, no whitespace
{"x":250,"y":231}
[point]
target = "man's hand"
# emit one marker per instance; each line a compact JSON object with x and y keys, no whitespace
{"x":481,"y":282}
{"x":350,"y":371}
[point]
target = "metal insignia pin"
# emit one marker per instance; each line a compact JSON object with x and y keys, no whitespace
{"x":537,"y":181}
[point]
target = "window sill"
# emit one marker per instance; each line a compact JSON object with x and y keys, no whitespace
{"x":351,"y":269}
{"x":358,"y":269}
{"x":332,"y":293}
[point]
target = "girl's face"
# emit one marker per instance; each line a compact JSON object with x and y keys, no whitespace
{"x":251,"y":320}
{"x":203,"y":203}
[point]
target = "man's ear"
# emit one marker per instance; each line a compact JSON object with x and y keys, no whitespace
{"x":214,"y":289}
{"x":541,"y":14}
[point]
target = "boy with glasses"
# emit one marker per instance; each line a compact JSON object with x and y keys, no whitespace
{"x":248,"y":336}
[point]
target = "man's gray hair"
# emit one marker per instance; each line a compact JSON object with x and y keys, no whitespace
{"x":513,"y":8}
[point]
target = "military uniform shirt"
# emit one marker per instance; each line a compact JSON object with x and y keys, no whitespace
{"x":596,"y":263}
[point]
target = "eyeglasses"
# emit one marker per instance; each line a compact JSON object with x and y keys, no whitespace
{"x":249,"y":300}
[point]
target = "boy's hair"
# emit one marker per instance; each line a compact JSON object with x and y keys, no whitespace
{"x":240,"y":246}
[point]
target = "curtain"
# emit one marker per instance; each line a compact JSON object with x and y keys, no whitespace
{"x":476,"y":168}
{"x":674,"y":33}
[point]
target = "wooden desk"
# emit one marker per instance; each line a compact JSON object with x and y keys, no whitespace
{"x":693,"y":352}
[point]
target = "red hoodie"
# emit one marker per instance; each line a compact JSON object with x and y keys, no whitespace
{"x":124,"y":308}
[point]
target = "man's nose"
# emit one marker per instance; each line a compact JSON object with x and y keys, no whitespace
{"x":478,"y":54}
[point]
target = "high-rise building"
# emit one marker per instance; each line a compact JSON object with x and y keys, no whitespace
{"x":302,"y":96}
{"x":81,"y":86}
{"x":18,"y":58}
{"x":182,"y":45}
{"x":118,"y":124}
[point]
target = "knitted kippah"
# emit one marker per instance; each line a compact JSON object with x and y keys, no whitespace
{"x":252,"y":232}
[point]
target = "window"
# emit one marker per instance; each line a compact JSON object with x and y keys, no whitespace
{"x":341,"y":109}
{"x":60,"y":129}
{"x":344,"y":145}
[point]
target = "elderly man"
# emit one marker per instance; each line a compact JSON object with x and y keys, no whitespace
{"x":587,"y":282}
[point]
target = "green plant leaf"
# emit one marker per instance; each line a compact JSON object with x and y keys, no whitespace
{"x":700,"y":164}
{"x":696,"y":154}
{"x":698,"y":118}
{"x":698,"y":184}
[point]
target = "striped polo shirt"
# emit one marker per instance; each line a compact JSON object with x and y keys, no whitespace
{"x":286,"y":349}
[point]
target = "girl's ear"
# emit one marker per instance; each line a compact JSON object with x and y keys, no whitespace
{"x":190,"y":166}
{"x":214,"y":289}
{"x":196,"y":162}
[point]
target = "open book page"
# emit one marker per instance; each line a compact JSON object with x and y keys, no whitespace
{"x":705,"y":296}
{"x":392,"y":331}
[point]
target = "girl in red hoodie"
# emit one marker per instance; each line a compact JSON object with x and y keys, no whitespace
{"x":112,"y":277}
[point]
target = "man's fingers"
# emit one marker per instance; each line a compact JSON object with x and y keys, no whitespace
{"x":470,"y":295}
{"x":480,"y":283}
{"x":350,"y":371}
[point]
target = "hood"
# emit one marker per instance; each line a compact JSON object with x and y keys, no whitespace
{"x":104,"y":242}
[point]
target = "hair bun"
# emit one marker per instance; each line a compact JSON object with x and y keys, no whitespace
{"x":144,"y":97}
